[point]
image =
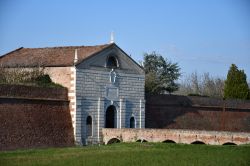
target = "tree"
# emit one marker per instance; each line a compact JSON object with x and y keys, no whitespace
{"x":203,"y":85}
{"x":161,"y":74}
{"x":236,"y":84}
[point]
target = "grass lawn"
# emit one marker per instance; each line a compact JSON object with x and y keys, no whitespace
{"x":130,"y":154}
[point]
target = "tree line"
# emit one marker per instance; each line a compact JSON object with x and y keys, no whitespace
{"x":161,"y":76}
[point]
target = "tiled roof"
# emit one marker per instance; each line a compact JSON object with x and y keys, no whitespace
{"x":48,"y":56}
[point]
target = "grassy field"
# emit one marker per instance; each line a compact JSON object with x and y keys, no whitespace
{"x":131,"y":154}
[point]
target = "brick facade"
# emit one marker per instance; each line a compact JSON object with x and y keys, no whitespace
{"x":197,"y":113}
{"x":175,"y":136}
{"x":65,"y":76}
{"x":33,"y":117}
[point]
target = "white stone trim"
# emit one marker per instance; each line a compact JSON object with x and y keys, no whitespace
{"x":98,"y":120}
{"x":71,"y":94}
{"x":72,"y":82}
{"x":120,"y":113}
{"x":73,"y":98}
{"x":133,"y":115}
{"x":140,"y":112}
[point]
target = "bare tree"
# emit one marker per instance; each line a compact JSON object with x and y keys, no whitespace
{"x":203,"y":85}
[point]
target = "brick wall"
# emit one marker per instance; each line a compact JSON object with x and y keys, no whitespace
{"x":33,"y":92}
{"x":60,"y":75}
{"x":66,"y":77}
{"x":174,"y":135}
{"x":35,"y":120}
{"x":184,"y":112}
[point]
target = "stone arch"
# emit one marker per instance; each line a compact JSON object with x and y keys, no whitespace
{"x":198,"y":142}
{"x":141,"y":140}
{"x":169,"y":141}
{"x":113,"y":140}
{"x":111,"y":117}
{"x":89,"y":126}
{"x":229,"y":143}
{"x":109,"y":103}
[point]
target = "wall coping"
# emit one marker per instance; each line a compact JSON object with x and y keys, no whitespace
{"x":181,"y":131}
{"x":34,"y":99}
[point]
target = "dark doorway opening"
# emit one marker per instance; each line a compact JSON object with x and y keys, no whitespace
{"x":110,"y":117}
{"x":132,"y":122}
{"x":89,"y":126}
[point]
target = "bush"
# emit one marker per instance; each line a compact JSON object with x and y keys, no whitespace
{"x":44,"y":79}
{"x":26,"y":76}
{"x":19,"y":75}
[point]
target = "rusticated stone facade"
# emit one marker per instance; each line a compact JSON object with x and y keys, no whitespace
{"x":93,"y":100}
{"x":101,"y":89}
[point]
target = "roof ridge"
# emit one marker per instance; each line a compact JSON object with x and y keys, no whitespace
{"x":1,"y":56}
{"x":58,"y":47}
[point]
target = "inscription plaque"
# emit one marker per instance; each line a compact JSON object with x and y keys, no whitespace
{"x":112,"y":92}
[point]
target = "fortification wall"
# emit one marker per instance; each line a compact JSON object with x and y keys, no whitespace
{"x":197,"y":113}
{"x":32,"y":117}
{"x":60,"y":75}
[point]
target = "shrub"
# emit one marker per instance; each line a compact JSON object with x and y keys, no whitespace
{"x":26,"y":76}
{"x":43,"y":79}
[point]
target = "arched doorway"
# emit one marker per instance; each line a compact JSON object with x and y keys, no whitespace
{"x":110,"y":120}
{"x":132,"y":122}
{"x":89,"y":126}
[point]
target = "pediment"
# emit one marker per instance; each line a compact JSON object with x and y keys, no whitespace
{"x":99,"y":61}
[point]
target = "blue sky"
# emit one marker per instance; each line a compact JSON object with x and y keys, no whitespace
{"x":202,"y":36}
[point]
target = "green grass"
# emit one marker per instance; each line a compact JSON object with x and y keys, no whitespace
{"x":131,"y":154}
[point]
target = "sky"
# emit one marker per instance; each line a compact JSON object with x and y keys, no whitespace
{"x":200,"y":35}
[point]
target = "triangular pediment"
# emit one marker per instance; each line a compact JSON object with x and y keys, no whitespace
{"x":99,"y":61}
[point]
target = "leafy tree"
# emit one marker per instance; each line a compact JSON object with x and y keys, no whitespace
{"x":236,"y":85}
{"x":161,"y":74}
